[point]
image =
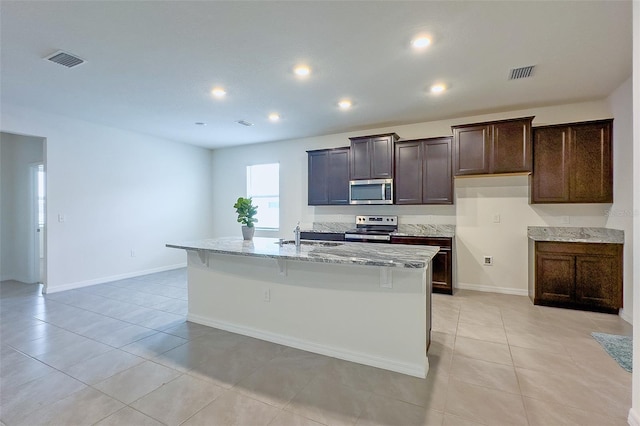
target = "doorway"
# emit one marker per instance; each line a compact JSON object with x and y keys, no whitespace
{"x":23,"y":206}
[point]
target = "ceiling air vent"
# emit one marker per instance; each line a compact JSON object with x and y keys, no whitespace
{"x":65,"y":59}
{"x":244,"y":123}
{"x":522,"y":72}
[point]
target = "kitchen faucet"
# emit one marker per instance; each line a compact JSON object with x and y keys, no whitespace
{"x":296,"y":231}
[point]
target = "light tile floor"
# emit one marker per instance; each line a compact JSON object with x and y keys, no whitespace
{"x":122,"y":354}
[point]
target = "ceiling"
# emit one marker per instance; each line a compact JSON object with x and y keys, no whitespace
{"x":150,"y":66}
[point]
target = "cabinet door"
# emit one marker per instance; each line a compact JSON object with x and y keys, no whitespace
{"x":318,"y":162}
{"x":338,"y":176}
{"x":550,"y":183}
{"x":591,"y":172}
{"x":555,"y":277}
{"x":511,"y":150}
{"x":598,"y":281}
{"x":360,"y":159}
{"x":441,"y":279}
{"x":381,"y":151}
{"x":437,"y":183}
{"x":471,"y":150}
{"x":408,"y":179}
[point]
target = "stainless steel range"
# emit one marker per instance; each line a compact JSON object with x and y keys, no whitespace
{"x":375,"y":229}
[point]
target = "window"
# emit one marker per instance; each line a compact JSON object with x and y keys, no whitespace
{"x":263,"y":187}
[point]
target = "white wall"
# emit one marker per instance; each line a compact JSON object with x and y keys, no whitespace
{"x":476,"y":199}
{"x":621,"y":213}
{"x":17,"y":153}
{"x":118,"y":191}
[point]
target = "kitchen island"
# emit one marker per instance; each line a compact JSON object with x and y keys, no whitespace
{"x":367,"y":303}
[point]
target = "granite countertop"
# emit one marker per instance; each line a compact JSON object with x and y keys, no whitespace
{"x":410,"y":230}
{"x":575,"y":234}
{"x":391,"y":255}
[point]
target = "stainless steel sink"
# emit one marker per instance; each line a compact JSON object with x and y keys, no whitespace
{"x":313,"y":243}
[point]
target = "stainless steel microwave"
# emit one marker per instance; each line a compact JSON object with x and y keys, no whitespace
{"x":373,"y":191}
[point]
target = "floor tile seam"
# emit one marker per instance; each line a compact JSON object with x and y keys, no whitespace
{"x":463,"y":380}
{"x":519,"y":393}
{"x":553,"y":401}
{"x":26,"y":413}
{"x":488,"y":361}
{"x":130,"y":405}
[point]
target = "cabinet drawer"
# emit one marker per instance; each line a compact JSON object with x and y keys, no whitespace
{"x":604,"y":249}
{"x":443,"y":242}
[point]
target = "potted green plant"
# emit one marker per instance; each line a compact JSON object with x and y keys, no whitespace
{"x":246,"y":215}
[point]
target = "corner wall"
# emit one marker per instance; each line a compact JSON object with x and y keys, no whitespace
{"x":119,"y":192}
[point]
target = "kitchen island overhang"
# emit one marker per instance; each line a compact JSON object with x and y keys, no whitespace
{"x":369,"y":304}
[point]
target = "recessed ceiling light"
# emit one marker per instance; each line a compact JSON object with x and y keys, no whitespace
{"x":218,"y":92}
{"x":302,"y":70}
{"x":438,"y":88}
{"x":421,"y":42}
{"x":274,"y":116}
{"x":200,"y":123}
{"x":344,"y":104}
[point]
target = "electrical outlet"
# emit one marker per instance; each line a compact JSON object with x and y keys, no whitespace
{"x":266,"y":295}
{"x":60,"y":217}
{"x":488,"y":260}
{"x":496,"y":218}
{"x":565,"y":220}
{"x":133,"y":253}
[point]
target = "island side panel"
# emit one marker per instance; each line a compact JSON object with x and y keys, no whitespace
{"x":333,"y":309}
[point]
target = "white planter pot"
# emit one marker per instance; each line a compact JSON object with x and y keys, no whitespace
{"x":247,"y":232}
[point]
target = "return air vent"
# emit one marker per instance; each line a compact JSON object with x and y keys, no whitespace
{"x":65,"y":59}
{"x":522,"y":72}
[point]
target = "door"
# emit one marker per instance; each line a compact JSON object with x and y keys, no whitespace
{"x":591,"y":172}
{"x":511,"y":147}
{"x":437,"y":184}
{"x":550,"y":165}
{"x":555,"y":277}
{"x":37,"y":216}
{"x":381,"y":151}
{"x":597,"y":281}
{"x":360,"y":159}
{"x":471,"y":150}
{"x":408,"y":173}
{"x":338,"y":177}
{"x":318,"y":162}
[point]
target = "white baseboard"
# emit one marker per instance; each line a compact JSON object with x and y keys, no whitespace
{"x":102,"y":280}
{"x":305,"y":345}
{"x":625,"y":316}
{"x":492,"y":289}
{"x":634,"y":417}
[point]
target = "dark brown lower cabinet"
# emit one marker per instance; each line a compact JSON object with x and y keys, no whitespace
{"x":584,"y":276}
{"x":442,"y":270}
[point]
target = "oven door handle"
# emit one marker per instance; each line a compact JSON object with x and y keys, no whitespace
{"x":367,"y":237}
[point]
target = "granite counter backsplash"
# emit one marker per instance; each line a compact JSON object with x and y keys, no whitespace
{"x":410,"y":229}
{"x":575,"y":234}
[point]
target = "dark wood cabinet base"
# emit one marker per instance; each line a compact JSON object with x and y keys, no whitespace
{"x":585,"y":276}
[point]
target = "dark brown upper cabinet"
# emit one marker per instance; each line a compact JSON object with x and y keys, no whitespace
{"x":423,"y":171}
{"x":372,"y":156}
{"x":492,"y":147}
{"x":328,"y":178}
{"x":572,"y":163}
